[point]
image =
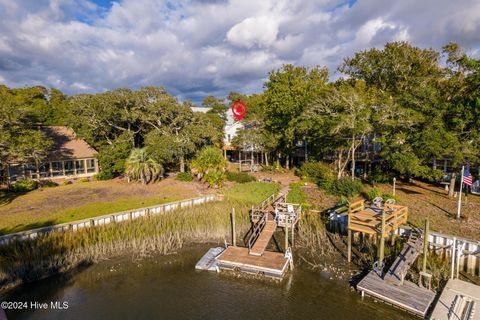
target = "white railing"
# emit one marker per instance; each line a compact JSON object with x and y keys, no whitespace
{"x":106,"y":219}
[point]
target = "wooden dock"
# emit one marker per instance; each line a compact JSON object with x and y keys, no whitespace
{"x":408,"y":296}
{"x":271,"y":264}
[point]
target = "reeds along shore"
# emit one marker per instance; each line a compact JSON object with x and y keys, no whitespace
{"x":35,"y":259}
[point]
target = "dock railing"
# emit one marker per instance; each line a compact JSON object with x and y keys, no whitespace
{"x":257,"y":231}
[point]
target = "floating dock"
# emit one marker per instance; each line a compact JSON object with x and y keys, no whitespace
{"x":407,"y":296}
{"x":270,"y":264}
{"x":273,"y":212}
{"x":460,"y":300}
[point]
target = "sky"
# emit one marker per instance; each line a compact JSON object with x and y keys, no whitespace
{"x":209,"y":47}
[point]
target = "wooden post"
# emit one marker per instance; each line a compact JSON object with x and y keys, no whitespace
{"x":349,"y":240}
{"x":394,"y":183}
{"x":293,"y":235}
{"x":234,"y":236}
{"x":382,"y":240}
{"x":425,"y":246}
{"x":286,"y":234}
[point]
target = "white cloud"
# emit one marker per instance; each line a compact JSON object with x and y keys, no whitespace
{"x":196,"y":48}
{"x":254,"y":31}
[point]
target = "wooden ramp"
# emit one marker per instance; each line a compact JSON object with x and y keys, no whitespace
{"x":397,"y":272}
{"x":263,"y":239}
{"x":272,"y":264}
{"x":408,"y":296}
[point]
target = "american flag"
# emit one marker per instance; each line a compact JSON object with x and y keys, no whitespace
{"x":467,"y":176}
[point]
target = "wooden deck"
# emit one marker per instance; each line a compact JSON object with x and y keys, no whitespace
{"x":408,"y":296}
{"x":369,"y":220}
{"x":263,"y":240}
{"x":273,"y":264}
{"x":397,"y":272}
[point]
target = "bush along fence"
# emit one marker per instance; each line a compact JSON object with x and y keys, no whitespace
{"x":109,"y":218}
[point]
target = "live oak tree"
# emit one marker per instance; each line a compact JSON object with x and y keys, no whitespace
{"x":287,"y":92}
{"x":341,"y":119}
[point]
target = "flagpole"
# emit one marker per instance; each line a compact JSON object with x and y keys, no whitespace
{"x":460,"y":195}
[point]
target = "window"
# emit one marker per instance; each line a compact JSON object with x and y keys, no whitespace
{"x":44,"y":170}
{"x":80,"y":164}
{"x":30,"y":171}
{"x":57,"y":169}
{"x":90,"y":165}
{"x":68,"y":167}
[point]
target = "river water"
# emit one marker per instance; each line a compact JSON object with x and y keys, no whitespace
{"x":168,"y":287}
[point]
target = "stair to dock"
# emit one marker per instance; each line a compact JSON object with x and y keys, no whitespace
{"x":397,"y":272}
{"x":261,"y":243}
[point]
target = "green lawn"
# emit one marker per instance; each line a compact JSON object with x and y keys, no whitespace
{"x":251,"y":192}
{"x":78,"y":201}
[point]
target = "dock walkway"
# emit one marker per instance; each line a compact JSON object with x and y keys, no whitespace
{"x":261,"y":243}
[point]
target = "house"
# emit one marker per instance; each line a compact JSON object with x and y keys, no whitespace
{"x":68,"y":158}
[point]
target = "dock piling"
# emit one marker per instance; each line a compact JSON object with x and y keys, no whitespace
{"x":234,"y":236}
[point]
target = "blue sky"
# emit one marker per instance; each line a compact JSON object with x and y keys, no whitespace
{"x":200,"y":47}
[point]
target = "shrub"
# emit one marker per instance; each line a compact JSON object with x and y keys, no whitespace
{"x":25,"y":185}
{"x":48,"y":184}
{"x":104,"y":175}
{"x":379,"y":176}
{"x":184,"y":176}
{"x":268,"y":168}
{"x":389,"y":196}
{"x":373,"y":193}
{"x":214,"y":179}
{"x":84,"y":180}
{"x":316,"y":171}
{"x":209,"y":166}
{"x":342,"y":187}
{"x":240,"y":177}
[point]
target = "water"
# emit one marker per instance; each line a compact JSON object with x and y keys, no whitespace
{"x":169,"y":288}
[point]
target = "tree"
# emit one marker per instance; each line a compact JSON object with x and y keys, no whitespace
{"x":288,"y":91}
{"x":140,"y":166}
{"x":341,"y":117}
{"x":20,"y":139}
{"x":410,"y":107}
{"x":177,"y":132}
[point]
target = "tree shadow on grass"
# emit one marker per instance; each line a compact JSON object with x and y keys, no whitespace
{"x":29,"y":226}
{"x":448,"y":213}
{"x":408,"y":191}
{"x":7,"y":197}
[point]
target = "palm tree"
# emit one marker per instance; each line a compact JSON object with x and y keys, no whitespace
{"x":140,"y":166}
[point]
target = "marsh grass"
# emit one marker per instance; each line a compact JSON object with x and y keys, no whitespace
{"x":59,"y":252}
{"x":316,"y":248}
